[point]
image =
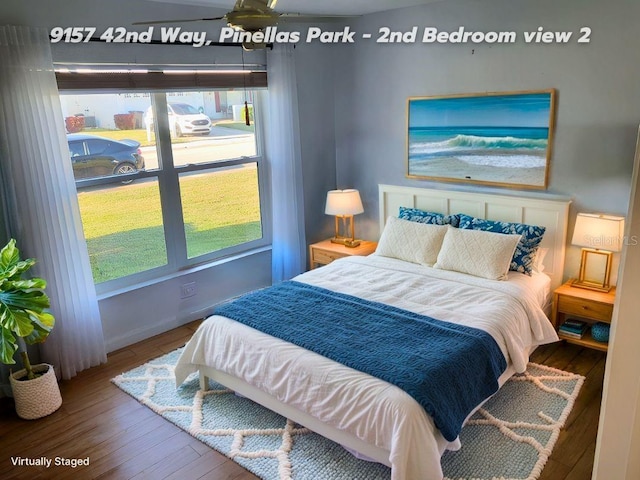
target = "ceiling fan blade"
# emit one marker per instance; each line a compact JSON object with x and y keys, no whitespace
{"x":158,"y":22}
{"x":295,"y":17}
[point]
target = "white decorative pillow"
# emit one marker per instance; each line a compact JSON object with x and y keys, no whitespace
{"x":476,"y":252}
{"x":411,"y":241}
{"x":538,"y":262}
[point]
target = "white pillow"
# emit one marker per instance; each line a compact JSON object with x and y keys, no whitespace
{"x":538,"y":261}
{"x":477,"y":252}
{"x":411,"y":241}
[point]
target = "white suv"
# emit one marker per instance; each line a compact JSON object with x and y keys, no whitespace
{"x":183,"y":120}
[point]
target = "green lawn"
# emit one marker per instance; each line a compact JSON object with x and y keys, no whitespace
{"x":237,"y":125}
{"x":124,"y":230}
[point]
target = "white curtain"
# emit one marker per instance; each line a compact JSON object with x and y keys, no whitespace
{"x":41,"y":197}
{"x":283,"y":151}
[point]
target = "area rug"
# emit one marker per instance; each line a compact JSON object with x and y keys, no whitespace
{"x":510,"y":437}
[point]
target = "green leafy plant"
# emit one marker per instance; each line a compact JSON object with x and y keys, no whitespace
{"x":23,"y":319}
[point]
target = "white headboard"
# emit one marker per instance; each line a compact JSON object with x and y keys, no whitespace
{"x":550,"y":213}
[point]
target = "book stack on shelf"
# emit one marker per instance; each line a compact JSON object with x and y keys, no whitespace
{"x":573,"y":328}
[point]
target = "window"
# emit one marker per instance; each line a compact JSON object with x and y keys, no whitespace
{"x":166,"y":180}
{"x":94,"y":147}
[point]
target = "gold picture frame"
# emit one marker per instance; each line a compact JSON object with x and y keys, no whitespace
{"x":500,"y":139}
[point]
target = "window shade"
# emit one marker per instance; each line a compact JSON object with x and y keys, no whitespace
{"x":160,"y":80}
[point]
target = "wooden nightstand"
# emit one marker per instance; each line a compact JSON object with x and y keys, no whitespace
{"x":586,"y":305}
{"x":325,"y":252}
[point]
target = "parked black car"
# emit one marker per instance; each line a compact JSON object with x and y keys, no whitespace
{"x":93,"y":156}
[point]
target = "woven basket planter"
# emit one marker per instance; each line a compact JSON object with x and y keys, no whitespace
{"x":36,"y":398}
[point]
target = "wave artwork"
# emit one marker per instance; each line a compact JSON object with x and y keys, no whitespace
{"x":501,"y":139}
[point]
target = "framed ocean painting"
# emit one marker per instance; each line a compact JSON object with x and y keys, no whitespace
{"x":501,"y":139}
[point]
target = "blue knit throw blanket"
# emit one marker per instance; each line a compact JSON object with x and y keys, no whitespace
{"x":448,"y":368}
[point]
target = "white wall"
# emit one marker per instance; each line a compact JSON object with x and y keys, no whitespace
{"x":619,"y":432}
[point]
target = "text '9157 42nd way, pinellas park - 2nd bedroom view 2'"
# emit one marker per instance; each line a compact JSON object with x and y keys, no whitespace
{"x":283,"y":239}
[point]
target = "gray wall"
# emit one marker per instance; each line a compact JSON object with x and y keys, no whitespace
{"x":315,"y":75}
{"x":598,"y":108}
{"x":140,"y":313}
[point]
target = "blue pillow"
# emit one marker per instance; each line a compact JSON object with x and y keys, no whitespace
{"x":524,"y":256}
{"x":421,"y":216}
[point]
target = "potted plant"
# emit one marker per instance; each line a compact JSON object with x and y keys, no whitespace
{"x":23,"y":320}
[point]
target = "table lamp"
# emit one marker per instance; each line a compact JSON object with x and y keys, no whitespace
{"x":600,"y":236}
{"x":344,"y":204}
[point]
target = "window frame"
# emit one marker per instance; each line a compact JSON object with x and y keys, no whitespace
{"x":168,"y":178}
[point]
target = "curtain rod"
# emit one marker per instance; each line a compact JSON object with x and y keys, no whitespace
{"x":177,"y":66}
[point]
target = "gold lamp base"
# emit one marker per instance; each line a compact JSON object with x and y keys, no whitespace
{"x":602,"y":260}
{"x":591,"y":286}
{"x":347,"y":242}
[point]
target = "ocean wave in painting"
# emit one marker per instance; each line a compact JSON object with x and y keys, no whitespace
{"x":500,"y":147}
{"x":477,"y":142}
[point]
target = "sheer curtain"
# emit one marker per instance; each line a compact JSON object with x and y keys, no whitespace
{"x":41,"y":197}
{"x":283,"y":151}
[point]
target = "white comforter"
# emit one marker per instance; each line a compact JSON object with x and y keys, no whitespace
{"x":371,"y":409}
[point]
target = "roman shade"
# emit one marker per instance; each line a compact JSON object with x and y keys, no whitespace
{"x":97,"y":79}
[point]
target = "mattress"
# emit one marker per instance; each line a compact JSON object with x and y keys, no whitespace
{"x":375,"y":411}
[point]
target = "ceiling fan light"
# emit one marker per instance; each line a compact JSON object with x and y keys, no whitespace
{"x":251,"y":21}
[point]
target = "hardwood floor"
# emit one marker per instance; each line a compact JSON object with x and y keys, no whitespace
{"x":572,"y":457}
{"x":125,"y":440}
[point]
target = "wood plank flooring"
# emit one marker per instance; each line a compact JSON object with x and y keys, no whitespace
{"x":125,"y":440}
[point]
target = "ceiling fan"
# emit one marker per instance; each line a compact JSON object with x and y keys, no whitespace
{"x":256,"y":15}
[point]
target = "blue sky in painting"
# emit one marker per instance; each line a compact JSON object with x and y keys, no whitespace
{"x":521,"y":110}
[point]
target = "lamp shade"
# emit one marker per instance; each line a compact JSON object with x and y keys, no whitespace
{"x":602,"y":232}
{"x":343,"y":202}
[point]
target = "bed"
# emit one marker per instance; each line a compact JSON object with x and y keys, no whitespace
{"x":371,"y":417}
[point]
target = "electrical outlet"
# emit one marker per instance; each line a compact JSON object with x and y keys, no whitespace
{"x":188,"y":290}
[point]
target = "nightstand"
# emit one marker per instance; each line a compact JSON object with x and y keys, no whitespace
{"x":585,"y":304}
{"x":325,"y":252}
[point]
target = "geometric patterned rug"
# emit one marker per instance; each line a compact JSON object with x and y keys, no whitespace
{"x":510,"y":437}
